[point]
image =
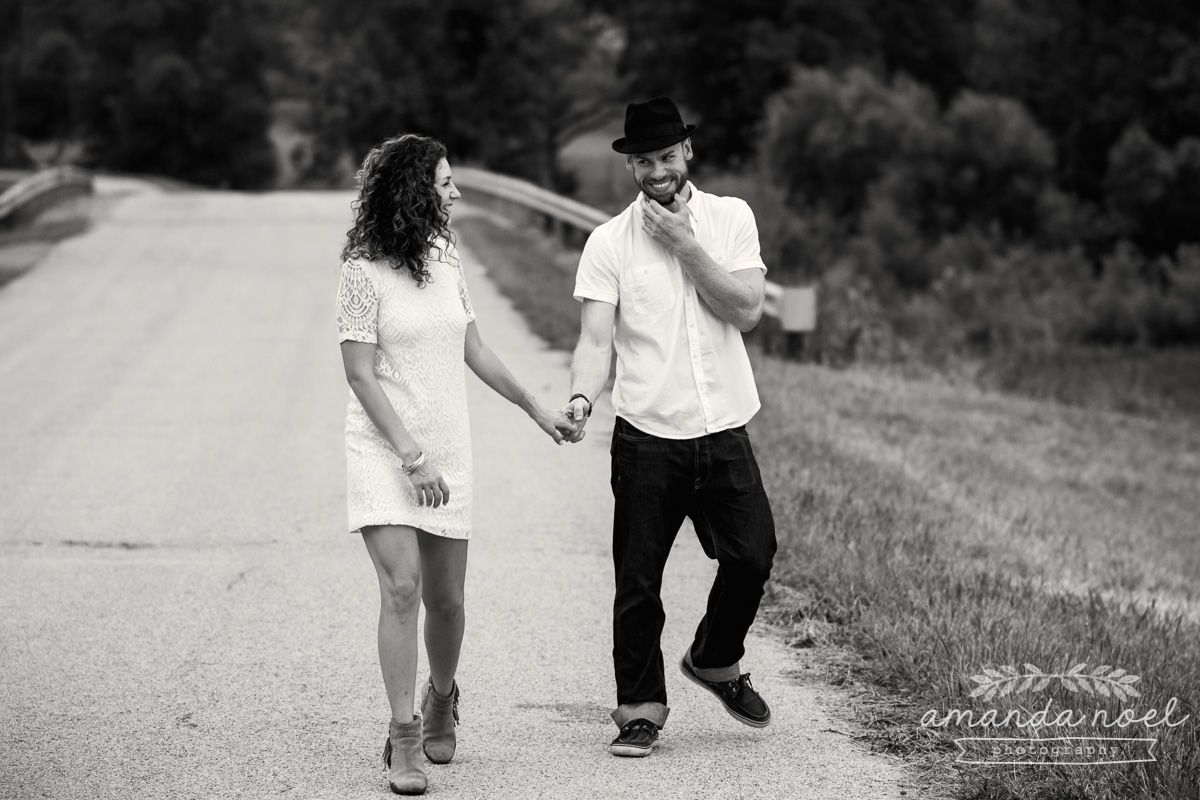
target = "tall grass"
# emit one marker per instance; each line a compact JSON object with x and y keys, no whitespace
{"x":1136,"y":380}
{"x":531,"y":270}
{"x":938,"y":530}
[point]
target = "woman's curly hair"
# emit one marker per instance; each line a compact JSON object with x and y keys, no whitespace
{"x":398,"y":213}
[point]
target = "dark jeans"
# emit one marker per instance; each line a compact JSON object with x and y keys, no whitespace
{"x":714,"y":480}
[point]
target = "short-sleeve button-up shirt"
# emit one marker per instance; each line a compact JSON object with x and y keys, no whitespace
{"x":682,"y":371}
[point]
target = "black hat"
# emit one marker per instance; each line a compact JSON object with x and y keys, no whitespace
{"x":651,"y":126}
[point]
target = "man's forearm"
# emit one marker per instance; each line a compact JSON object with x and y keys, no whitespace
{"x":589,"y":368}
{"x":730,"y":299}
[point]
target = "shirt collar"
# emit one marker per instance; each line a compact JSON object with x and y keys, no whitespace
{"x":696,"y":203}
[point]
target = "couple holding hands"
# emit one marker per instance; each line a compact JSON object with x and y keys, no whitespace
{"x":670,"y":283}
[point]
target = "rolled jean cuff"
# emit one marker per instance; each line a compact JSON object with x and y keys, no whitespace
{"x":652,"y":712}
{"x":714,"y":673}
{"x":718,"y":673}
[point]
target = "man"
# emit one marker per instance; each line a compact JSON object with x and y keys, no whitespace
{"x":672,"y":282}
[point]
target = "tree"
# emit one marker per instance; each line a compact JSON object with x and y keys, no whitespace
{"x":1087,"y":69}
{"x":498,"y":83}
{"x":719,"y":60}
{"x":526,"y":110}
{"x":723,"y":60}
{"x":177,"y":88}
{"x":48,"y":87}
{"x":1152,"y":191}
{"x":174,"y":87}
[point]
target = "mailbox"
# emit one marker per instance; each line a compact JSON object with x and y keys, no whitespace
{"x":798,"y":312}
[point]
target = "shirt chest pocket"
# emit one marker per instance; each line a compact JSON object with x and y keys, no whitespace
{"x":649,"y":289}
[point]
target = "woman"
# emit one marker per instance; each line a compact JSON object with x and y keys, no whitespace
{"x":406,"y":325}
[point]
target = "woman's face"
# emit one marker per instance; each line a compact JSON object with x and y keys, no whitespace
{"x":447,"y":191}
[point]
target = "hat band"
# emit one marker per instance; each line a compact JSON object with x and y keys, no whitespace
{"x":653,"y":131}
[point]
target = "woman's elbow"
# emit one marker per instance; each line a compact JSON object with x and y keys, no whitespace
{"x":474,"y":354}
{"x":358,"y":379}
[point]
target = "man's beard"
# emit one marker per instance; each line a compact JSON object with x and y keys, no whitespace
{"x":678,"y":182}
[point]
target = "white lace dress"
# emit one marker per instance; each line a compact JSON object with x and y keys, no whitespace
{"x":419,"y":336}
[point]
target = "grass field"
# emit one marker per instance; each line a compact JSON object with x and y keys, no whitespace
{"x":940,"y":530}
{"x":1143,"y":381}
{"x":935,"y":530}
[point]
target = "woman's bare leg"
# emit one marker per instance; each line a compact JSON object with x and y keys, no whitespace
{"x":443,"y":571}
{"x":394,"y":551}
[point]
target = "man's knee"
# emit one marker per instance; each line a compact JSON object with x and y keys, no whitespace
{"x":751,"y":566}
{"x":638,"y":584}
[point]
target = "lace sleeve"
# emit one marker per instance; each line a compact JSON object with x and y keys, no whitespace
{"x":357,"y":305}
{"x":462,"y":287}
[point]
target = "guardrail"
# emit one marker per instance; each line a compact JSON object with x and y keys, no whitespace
{"x":794,"y":307}
{"x":568,"y":218}
{"x":33,"y":194}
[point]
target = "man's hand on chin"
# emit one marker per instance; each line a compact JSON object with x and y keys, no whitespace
{"x":670,"y":226}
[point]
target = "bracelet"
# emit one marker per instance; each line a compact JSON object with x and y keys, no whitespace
{"x":587,"y":413}
{"x":417,"y":463}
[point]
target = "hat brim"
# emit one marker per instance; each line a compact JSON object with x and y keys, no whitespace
{"x":636,"y":146}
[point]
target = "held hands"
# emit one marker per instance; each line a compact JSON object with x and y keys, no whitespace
{"x":560,"y":426}
{"x":555,"y":424}
{"x":670,"y":227}
{"x":576,"y":414}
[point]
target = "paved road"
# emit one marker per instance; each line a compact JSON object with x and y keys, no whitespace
{"x":181,"y":612}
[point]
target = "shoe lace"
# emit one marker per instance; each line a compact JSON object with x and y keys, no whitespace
{"x":636,"y":724}
{"x":739,"y":683}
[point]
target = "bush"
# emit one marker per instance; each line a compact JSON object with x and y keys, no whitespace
{"x":948,"y":226}
{"x":1138,"y":301}
{"x":829,"y":137}
{"x":853,"y":145}
{"x":890,"y":247}
{"x":998,"y":163}
{"x":1153,"y":192}
{"x":796,"y":249}
{"x":853,"y":325}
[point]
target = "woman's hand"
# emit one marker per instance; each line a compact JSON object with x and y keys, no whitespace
{"x":431,"y":489}
{"x":554,"y":423}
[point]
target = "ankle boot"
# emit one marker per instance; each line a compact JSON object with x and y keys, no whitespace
{"x":402,"y":757}
{"x":441,"y":715}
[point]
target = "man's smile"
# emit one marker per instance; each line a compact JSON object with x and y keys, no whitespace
{"x":660,"y":186}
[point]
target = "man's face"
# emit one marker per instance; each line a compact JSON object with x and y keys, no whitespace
{"x":663,"y":173}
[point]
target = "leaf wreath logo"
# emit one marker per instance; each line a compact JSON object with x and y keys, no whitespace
{"x":1009,"y":680}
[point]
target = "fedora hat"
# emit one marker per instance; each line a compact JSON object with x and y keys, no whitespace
{"x":652,"y":125}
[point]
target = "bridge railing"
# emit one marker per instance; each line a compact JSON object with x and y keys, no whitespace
{"x":35,"y":193}
{"x":793,"y":307}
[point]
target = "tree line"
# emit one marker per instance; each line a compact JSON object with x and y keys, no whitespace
{"x":176,"y":87}
{"x":1028,"y":170}
{"x":190,"y":88}
{"x":956,"y":174}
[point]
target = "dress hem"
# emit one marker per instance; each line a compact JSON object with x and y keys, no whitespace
{"x":445,"y":533}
